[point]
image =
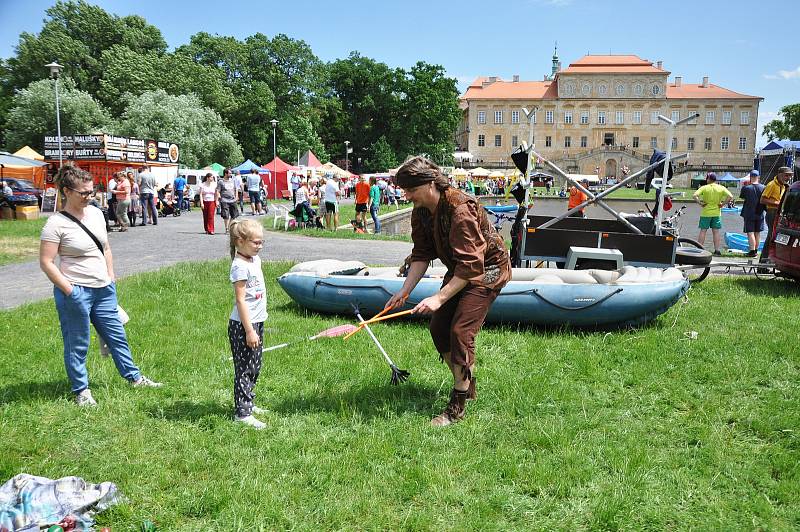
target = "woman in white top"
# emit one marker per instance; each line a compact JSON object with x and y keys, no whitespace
{"x":208,"y":202}
{"x":84,"y":284}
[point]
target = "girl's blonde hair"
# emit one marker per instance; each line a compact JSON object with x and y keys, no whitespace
{"x":243,"y":229}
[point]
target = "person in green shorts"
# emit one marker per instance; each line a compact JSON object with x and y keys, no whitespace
{"x":711,"y":196}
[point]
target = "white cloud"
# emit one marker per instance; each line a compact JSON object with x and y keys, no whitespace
{"x":785,"y":74}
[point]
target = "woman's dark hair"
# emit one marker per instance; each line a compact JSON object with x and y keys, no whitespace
{"x":417,"y":171}
{"x":205,"y":178}
{"x":70,"y":176}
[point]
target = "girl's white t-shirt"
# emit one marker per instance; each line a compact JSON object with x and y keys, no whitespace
{"x":301,"y":195}
{"x":255,"y":291}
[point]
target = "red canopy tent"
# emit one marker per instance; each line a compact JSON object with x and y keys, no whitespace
{"x":309,"y":159}
{"x":279,"y":185}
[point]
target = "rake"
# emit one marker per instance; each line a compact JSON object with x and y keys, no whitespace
{"x":398,"y":375}
{"x":339,"y":330}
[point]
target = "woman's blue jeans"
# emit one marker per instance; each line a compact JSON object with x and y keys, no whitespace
{"x":373,"y":210}
{"x":98,"y":307}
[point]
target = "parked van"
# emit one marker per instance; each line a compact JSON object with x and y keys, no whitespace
{"x":785,"y":246}
{"x":193,"y":179}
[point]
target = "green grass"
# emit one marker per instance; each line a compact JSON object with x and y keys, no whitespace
{"x":632,"y":429}
{"x":19,"y":239}
{"x":346,"y":213}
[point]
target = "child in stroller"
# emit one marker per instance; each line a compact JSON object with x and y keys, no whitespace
{"x":166,"y":202}
{"x":305,"y":216}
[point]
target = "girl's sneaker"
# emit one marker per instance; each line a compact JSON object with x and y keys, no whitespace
{"x":145,"y":382}
{"x":257,"y":410}
{"x":250,"y":420}
{"x":84,"y":398}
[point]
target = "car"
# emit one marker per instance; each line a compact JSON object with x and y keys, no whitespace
{"x":22,"y":193}
{"x":784,"y":250}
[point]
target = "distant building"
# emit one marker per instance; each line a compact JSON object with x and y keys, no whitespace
{"x":601,"y":112}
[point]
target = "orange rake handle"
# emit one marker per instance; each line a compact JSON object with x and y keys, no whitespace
{"x":378,"y":318}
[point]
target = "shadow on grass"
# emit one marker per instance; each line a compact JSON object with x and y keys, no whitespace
{"x":26,"y":392}
{"x":205,"y":413}
{"x":777,"y":287}
{"x":373,"y":401}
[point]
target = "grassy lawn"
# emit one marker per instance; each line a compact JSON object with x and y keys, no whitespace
{"x":632,"y":429}
{"x":346,"y":213}
{"x":19,"y":239}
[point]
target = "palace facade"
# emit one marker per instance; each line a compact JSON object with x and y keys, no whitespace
{"x":601,"y":113}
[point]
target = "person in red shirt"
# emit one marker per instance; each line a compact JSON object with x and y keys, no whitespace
{"x":362,"y":200}
{"x":576,"y":197}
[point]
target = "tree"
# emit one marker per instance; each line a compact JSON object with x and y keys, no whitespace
{"x":129,"y":72}
{"x":430,"y":111}
{"x":250,"y":120}
{"x":75,"y":34}
{"x":786,"y":128}
{"x":296,"y":134}
{"x":381,"y":156}
{"x":33,"y":114}
{"x":198,"y":130}
{"x":369,"y":103}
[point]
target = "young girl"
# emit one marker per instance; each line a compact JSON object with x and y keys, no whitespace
{"x":246,"y":325}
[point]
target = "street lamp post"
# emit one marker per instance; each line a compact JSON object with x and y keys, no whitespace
{"x":274,"y":161}
{"x":346,"y":155}
{"x":55,"y":71}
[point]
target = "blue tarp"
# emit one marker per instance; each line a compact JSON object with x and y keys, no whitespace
{"x":779,"y":146}
{"x":727,"y":177}
{"x":249,"y":165}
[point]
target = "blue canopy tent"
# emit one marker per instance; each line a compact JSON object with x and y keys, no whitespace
{"x":248,"y":165}
{"x":728,"y":180}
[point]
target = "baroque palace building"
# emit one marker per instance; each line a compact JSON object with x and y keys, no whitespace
{"x":599,"y":115}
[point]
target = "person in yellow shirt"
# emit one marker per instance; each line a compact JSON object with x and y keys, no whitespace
{"x":711,"y":196}
{"x":771,"y":199}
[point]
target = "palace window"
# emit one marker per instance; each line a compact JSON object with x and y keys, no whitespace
{"x":567,"y":117}
{"x":723,"y":143}
{"x":690,"y":143}
{"x":548,"y":117}
{"x":584,"y":142}
{"x":637,"y":117}
{"x":654,"y":142}
{"x":742,"y":143}
{"x":707,"y":144}
{"x":674,"y":143}
{"x":710,"y":118}
{"x":726,"y":118}
{"x":653,"y":117}
{"x":515,"y":117}
{"x":481,"y":140}
{"x":481,"y":117}
{"x":548,"y":141}
{"x":635,"y":142}
{"x":601,"y":117}
{"x":498,"y":140}
{"x":584,"y":117}
{"x":676,"y":115}
{"x":745,"y":118}
{"x":514,"y":140}
{"x":567,"y":142}
{"x":498,"y":117}
{"x":620,"y":118}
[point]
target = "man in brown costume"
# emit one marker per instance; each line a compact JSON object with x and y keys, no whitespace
{"x":449,"y":225}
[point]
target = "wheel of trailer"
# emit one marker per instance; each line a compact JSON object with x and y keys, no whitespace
{"x":690,"y":253}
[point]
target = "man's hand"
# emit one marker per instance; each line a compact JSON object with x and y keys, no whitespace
{"x":396,"y":300}
{"x":429,"y":305}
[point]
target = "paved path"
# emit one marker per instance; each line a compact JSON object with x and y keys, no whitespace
{"x":181,"y":239}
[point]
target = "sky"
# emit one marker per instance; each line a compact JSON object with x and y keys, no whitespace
{"x":738,"y":44}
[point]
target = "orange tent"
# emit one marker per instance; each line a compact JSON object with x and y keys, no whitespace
{"x":37,"y":174}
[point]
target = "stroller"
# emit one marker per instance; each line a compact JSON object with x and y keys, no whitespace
{"x":166,"y":204}
{"x":306,"y":217}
